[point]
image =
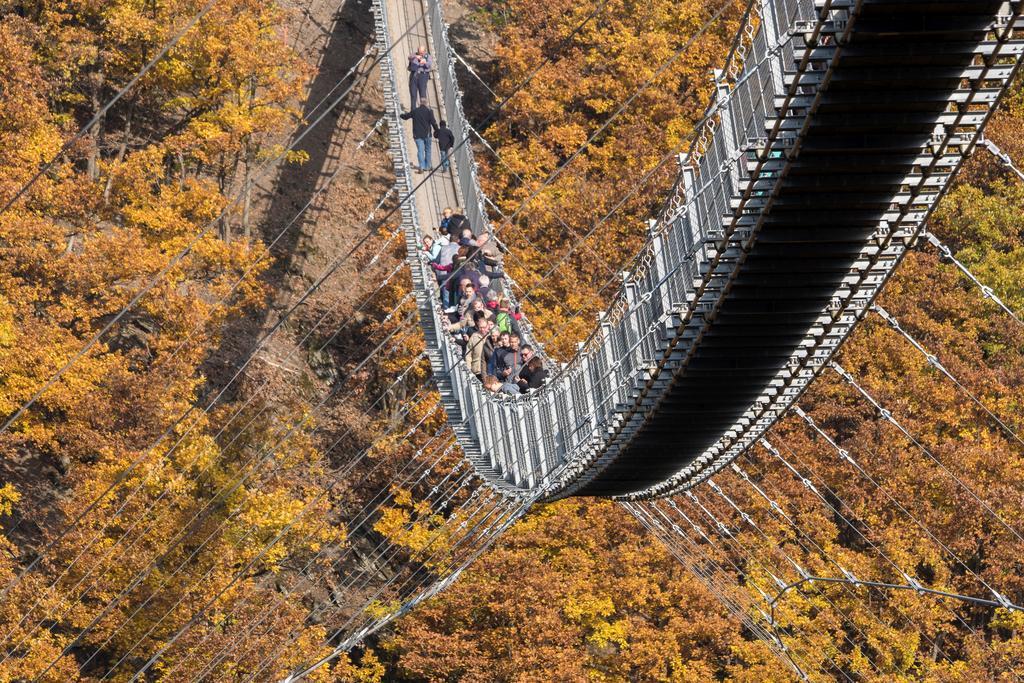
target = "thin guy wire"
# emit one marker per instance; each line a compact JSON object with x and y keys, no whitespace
{"x":439,"y":455}
{"x":903,"y":509}
{"x":729,"y":536}
{"x":746,"y":518}
{"x":933,"y":360}
{"x":39,"y":557}
{"x":230,"y":648}
{"x":986,"y":291}
{"x":183,"y":533}
{"x":808,"y":484}
{"x":887,"y":416}
{"x":772,"y":639}
{"x":802,"y":538}
{"x":207,"y":467}
{"x":497,"y":109}
{"x":177,"y":258}
{"x":167,"y":47}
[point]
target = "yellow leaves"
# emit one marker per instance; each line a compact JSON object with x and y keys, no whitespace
{"x":593,"y":612}
{"x":264,"y":516}
{"x":77,"y":249}
{"x":7,"y":324}
{"x":369,"y":669}
{"x":409,"y":523}
{"x":1011,"y":620}
{"x":587,"y":608}
{"x":378,"y":609}
{"x":9,"y":497}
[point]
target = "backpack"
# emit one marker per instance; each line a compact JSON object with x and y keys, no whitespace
{"x":504,"y":321}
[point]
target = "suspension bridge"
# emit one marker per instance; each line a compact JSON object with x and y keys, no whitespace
{"x":836,"y":127}
{"x":814,"y":169}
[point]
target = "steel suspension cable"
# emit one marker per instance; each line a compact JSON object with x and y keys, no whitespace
{"x":772,"y":637}
{"x":454,"y":489}
{"x":384,"y":558}
{"x":503,"y":436}
{"x":911,"y":580}
{"x":501,"y":514}
{"x":337,"y":264}
{"x":801,"y":571}
{"x":439,"y":455}
{"x":1002,"y":156}
{"x":777,"y":576}
{"x":237,"y":576}
{"x":231,"y":486}
{"x":935,"y":363}
{"x":850,"y":524}
{"x":986,"y":291}
{"x":177,"y":635}
{"x":920,"y":590}
{"x":741,"y":573}
{"x":503,"y":523}
{"x":803,"y":539}
{"x":223,"y":428}
{"x":888,"y":417}
{"x":771,"y":449}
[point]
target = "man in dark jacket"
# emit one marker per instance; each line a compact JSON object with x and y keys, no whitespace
{"x":445,"y":142}
{"x":423,"y":124}
{"x":532,"y":374}
{"x":510,"y":362}
{"x":456,"y":224}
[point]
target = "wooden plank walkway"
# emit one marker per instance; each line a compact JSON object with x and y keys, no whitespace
{"x":441,"y":189}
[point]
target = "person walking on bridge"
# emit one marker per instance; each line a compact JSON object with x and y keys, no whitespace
{"x":420,"y":66}
{"x":423,"y":125}
{"x":445,"y":142}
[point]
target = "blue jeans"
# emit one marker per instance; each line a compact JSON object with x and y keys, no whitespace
{"x":423,"y":148}
{"x":418,"y":86}
{"x":444,"y":159}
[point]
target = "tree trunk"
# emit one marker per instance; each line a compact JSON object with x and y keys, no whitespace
{"x":247,"y":194}
{"x":222,"y":180}
{"x":93,"y":162}
{"x":121,"y":150}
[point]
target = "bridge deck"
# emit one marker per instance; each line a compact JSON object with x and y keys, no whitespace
{"x":407,"y":25}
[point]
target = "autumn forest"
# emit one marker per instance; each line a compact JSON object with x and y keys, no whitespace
{"x":203,"y":305}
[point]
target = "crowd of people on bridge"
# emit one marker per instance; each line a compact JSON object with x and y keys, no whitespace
{"x":480,"y":315}
{"x":468,"y":267}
